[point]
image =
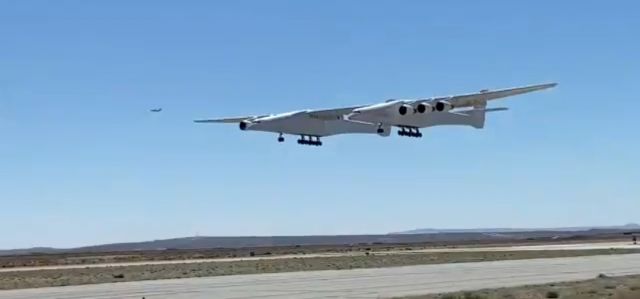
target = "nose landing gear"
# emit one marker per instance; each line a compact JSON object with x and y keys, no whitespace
{"x":410,"y":132}
{"x":280,"y":138}
{"x":310,"y":141}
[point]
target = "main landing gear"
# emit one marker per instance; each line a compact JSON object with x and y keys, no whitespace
{"x":280,"y":138}
{"x":410,"y":132}
{"x":310,"y":141}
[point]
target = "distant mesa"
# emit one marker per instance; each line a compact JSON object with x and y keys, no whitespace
{"x":516,"y":230}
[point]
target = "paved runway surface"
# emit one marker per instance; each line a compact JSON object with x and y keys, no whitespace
{"x":361,"y":283}
{"x":583,"y":246}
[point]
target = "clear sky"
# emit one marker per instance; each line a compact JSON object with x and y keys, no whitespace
{"x":82,"y":161}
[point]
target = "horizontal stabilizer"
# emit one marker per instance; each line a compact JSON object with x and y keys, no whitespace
{"x":476,"y":111}
{"x":496,"y":109}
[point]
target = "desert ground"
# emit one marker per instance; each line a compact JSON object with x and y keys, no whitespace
{"x":374,"y":283}
{"x":18,"y":278}
{"x":623,"y":287}
{"x":93,"y":257}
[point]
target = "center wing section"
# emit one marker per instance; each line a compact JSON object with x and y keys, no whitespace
{"x":478,"y":98}
{"x":332,"y":114}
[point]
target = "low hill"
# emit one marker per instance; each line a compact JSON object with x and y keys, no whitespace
{"x":630,"y":226}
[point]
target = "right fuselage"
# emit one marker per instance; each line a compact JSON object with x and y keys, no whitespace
{"x":401,"y":114}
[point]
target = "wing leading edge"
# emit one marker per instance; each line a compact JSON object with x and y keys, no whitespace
{"x":478,"y":98}
{"x":229,"y":120}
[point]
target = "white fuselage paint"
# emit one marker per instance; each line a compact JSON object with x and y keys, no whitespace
{"x":301,"y":123}
{"x":388,"y":114}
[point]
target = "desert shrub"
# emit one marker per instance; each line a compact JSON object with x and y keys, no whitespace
{"x":552,"y":294}
{"x":470,"y":295}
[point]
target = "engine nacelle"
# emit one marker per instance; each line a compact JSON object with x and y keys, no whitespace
{"x":424,"y":108}
{"x":443,"y":106}
{"x":405,"y":109}
{"x":243,"y":125}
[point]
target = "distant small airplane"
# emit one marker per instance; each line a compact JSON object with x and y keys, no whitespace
{"x":156,"y":110}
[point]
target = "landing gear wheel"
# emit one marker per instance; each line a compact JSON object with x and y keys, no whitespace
{"x":410,"y":132}
{"x":280,"y":139}
{"x":313,"y":140}
{"x":380,"y":130}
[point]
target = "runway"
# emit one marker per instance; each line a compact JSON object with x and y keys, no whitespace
{"x":577,"y":246}
{"x":361,"y":283}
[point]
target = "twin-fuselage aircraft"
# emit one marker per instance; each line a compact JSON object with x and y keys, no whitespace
{"x":408,"y":115}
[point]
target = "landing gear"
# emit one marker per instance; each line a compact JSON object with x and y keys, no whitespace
{"x":380,"y":129}
{"x":410,"y":132}
{"x":280,"y":138}
{"x":310,"y":141}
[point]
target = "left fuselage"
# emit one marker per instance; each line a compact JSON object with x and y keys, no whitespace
{"x":302,"y":123}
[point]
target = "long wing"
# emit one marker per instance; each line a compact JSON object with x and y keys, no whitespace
{"x":331,"y":114}
{"x":227,"y":120}
{"x":478,"y":98}
{"x":324,"y":114}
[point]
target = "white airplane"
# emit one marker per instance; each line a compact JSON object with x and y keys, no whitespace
{"x":310,"y":125}
{"x":411,"y":115}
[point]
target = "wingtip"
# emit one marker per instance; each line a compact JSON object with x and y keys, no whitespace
{"x":544,"y":86}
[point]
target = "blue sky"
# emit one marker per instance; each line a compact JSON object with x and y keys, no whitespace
{"x":83,"y":162}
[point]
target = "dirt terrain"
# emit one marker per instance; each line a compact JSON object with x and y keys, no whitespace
{"x":624,"y":287}
{"x":110,"y":257}
{"x":62,"y":277}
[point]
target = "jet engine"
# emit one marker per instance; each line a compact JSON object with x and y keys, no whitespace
{"x":443,"y":106}
{"x":424,"y":108}
{"x":244,"y":124}
{"x":405,"y":109}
